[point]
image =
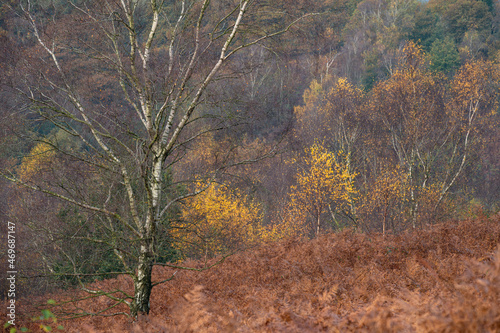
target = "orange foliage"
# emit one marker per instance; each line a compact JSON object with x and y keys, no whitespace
{"x":474,"y":91}
{"x":431,"y":124}
{"x":409,"y":104}
{"x":332,"y":114}
{"x":384,"y":200}
{"x":445,"y":279}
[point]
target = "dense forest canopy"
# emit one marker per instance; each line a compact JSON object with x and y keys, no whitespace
{"x":142,"y":133}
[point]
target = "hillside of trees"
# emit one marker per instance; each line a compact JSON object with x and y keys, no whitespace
{"x":141,"y":137}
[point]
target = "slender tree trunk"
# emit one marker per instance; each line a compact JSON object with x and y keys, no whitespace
{"x":142,"y":282}
{"x":384,"y":221}
{"x":414,"y":205}
{"x":317,"y":226}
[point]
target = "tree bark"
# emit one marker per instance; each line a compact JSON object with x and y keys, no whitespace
{"x":142,"y":284}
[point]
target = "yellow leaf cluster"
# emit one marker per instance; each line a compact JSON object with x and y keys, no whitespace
{"x":218,"y":219}
{"x":39,"y":158}
{"x":324,"y":180}
{"x":408,"y":104}
{"x":310,"y":114}
{"x":343,"y":89}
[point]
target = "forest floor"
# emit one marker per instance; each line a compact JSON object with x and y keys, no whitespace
{"x":442,"y":279}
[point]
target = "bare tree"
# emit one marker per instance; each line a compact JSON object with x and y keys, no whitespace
{"x":127,"y":79}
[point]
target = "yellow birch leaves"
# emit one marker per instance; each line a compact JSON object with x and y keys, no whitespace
{"x":40,"y":157}
{"x":324,"y":183}
{"x":220,"y":220}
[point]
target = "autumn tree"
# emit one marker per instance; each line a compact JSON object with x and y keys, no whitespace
{"x":331,"y":111}
{"x":40,"y":157}
{"x":384,"y":201}
{"x":420,"y":118}
{"x":324,"y":185}
{"x":216,"y":222}
{"x":311,"y":118}
{"x":129,"y":81}
{"x":472,"y":110}
{"x":409,"y":106}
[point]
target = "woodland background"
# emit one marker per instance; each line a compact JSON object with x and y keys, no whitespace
{"x":381,"y":116}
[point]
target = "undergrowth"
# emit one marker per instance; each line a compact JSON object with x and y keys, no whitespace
{"x":443,"y":279}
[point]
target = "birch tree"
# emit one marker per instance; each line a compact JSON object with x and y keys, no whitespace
{"x":128,"y":79}
{"x":431,"y":123}
{"x":324,"y":180}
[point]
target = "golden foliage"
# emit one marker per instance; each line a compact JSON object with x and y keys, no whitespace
{"x":428,"y":199}
{"x":39,"y":158}
{"x":311,"y":114}
{"x":201,"y":156}
{"x":344,"y":97}
{"x":323,"y":181}
{"x":431,"y":124}
{"x":216,"y":221}
{"x":387,"y":203}
{"x":289,"y":223}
